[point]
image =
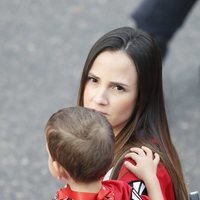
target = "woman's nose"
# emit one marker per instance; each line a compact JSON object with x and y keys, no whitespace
{"x":101,"y":97}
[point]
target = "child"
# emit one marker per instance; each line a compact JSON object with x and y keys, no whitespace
{"x":80,"y":145}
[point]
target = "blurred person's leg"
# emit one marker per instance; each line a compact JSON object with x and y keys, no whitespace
{"x":162,"y":18}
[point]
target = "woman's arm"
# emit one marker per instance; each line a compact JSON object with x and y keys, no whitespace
{"x":145,"y":169}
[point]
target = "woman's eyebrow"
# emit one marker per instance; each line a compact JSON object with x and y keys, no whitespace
{"x":119,"y":83}
{"x":91,"y":74}
{"x":111,"y":82}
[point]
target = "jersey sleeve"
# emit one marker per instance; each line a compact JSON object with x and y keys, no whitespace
{"x":139,"y":188}
{"x":120,"y":189}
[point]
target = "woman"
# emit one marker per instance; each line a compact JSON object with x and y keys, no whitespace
{"x":122,"y":79}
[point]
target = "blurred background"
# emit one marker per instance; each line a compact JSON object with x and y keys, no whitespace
{"x":43,"y":47}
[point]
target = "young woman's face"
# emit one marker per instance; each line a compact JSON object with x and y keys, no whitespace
{"x":111,"y":87}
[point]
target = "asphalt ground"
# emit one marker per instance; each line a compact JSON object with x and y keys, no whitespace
{"x":43,"y":46}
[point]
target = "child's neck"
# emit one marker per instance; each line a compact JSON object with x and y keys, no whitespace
{"x":93,"y":187}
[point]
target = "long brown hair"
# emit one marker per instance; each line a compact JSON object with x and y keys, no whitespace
{"x":148,"y":120}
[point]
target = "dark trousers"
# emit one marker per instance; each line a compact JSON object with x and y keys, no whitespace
{"x":162,"y":18}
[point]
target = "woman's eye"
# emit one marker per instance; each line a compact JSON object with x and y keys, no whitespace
{"x":92,"y":79}
{"x":119,"y":88}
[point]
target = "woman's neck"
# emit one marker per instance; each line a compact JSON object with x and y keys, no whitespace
{"x":93,"y":187}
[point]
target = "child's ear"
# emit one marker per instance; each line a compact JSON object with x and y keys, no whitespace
{"x":57,"y":168}
{"x":60,"y":171}
{"x":65,"y":173}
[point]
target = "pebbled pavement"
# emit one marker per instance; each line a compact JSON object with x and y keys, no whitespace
{"x":43,"y":48}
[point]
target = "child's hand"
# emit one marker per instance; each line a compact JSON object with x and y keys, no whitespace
{"x":145,"y":169}
{"x":146,"y":163}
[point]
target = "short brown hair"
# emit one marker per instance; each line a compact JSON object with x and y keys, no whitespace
{"x":82,"y":141}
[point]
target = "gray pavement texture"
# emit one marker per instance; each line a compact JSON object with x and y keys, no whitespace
{"x":43,"y":46}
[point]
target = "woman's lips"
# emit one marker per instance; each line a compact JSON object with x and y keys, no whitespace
{"x":103,"y":113}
